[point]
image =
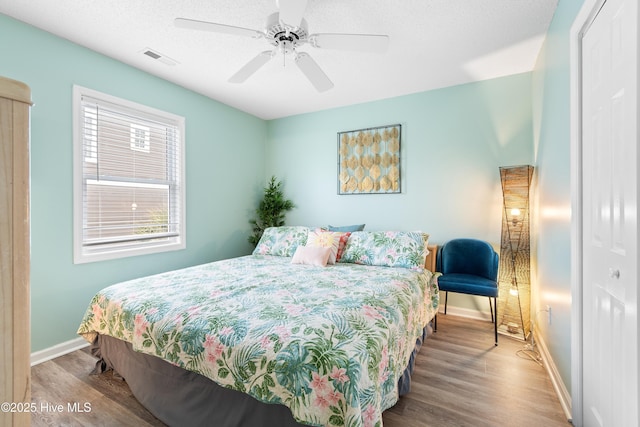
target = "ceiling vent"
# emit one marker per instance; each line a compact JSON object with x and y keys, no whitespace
{"x":154,"y":54}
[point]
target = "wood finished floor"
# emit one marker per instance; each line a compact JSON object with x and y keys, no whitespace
{"x":460,"y":379}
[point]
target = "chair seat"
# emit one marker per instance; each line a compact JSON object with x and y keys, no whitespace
{"x":468,"y":284}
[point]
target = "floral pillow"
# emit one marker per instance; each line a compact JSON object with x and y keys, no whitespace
{"x":425,"y":241}
{"x":386,"y":248}
{"x":336,"y":241}
{"x":281,"y":241}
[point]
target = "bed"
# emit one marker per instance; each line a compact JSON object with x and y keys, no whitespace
{"x":287,"y":336}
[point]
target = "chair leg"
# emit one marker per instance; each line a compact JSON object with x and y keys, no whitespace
{"x":491,"y":309}
{"x":435,"y":323}
{"x":495,"y":324}
{"x":446,"y":298}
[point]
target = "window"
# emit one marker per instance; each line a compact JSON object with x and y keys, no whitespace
{"x":128,"y":178}
{"x":140,"y":138}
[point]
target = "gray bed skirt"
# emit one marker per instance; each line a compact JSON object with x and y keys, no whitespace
{"x":182,"y":398}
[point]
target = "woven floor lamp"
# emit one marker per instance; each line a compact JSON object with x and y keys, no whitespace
{"x":514,"y":299}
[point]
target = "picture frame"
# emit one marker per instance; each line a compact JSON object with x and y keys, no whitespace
{"x":369,"y":160}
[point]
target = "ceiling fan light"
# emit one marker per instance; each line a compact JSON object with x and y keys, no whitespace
{"x":286,"y":30}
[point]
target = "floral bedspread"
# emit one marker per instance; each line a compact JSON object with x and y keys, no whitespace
{"x":328,"y":342}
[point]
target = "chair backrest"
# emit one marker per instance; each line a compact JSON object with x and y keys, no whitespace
{"x":468,"y":256}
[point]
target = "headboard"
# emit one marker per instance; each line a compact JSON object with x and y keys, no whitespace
{"x":430,"y":260}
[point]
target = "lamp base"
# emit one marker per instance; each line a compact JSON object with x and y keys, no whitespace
{"x":513,"y":330}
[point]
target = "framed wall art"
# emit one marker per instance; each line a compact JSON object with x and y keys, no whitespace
{"x":369,"y":160}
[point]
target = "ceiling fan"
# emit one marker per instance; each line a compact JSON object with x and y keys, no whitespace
{"x":286,"y":30}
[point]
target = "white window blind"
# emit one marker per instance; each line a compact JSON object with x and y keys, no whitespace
{"x":129,"y":194}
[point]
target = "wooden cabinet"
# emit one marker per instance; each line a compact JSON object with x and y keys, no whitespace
{"x":15,"y":102}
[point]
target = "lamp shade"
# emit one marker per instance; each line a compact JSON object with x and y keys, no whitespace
{"x":514,"y":302}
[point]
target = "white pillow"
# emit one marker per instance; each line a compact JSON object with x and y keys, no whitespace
{"x":335,"y":241}
{"x":311,"y":255}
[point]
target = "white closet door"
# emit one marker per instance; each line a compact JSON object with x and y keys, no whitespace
{"x":610,"y":233}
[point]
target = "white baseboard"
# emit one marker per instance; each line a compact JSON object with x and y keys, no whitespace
{"x":466,"y":312}
{"x":556,"y":380}
{"x":57,"y":350}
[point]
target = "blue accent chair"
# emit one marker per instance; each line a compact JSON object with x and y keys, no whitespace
{"x":469,"y":266}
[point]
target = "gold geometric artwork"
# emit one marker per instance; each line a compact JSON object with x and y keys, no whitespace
{"x":369,"y":160}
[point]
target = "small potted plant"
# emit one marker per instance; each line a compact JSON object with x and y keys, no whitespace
{"x":271,"y":211}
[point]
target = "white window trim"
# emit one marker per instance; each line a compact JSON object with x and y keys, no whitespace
{"x":80,"y":256}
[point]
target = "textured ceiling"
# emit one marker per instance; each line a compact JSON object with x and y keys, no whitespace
{"x":433,"y":44}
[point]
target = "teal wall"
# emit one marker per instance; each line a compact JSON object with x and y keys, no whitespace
{"x":225,"y":168}
{"x":453,"y":141}
{"x":551,"y":88}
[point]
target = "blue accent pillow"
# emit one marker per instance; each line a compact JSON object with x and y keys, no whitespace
{"x":349,"y":228}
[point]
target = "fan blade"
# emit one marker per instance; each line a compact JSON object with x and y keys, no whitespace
{"x":359,"y":42}
{"x":216,"y":28}
{"x":251,"y":67}
{"x":291,"y":11}
{"x":314,"y":73}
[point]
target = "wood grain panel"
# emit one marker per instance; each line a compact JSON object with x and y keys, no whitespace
{"x":14,"y":251}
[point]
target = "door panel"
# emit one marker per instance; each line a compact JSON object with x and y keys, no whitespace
{"x":610,"y":240}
